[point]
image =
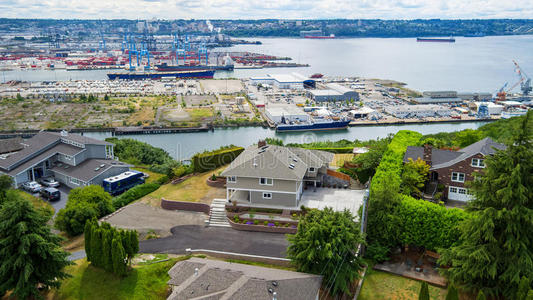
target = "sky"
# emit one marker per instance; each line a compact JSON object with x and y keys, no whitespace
{"x":259,"y":9}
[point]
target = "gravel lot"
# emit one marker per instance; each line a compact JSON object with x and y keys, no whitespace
{"x":144,"y":218}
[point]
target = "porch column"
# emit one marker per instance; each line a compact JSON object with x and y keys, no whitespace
{"x":227,"y":194}
{"x":32,"y":174}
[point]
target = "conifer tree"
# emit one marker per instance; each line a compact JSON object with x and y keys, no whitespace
{"x":481,"y":296}
{"x":87,"y":236}
{"x":30,"y":254}
{"x":96,"y":246}
{"x":424,"y":291}
{"x":107,"y":260}
{"x":134,"y":242}
{"x":495,"y":249}
{"x":529,"y":295}
{"x":452,"y":293}
{"x":523,"y":288}
{"x":119,"y":258}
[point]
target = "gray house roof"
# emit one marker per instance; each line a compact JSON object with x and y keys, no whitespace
{"x":445,"y":158}
{"x":10,"y":145}
{"x":88,"y":169}
{"x":215,"y":279}
{"x":276,"y":162}
{"x":59,"y":148}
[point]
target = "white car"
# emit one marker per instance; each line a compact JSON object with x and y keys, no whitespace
{"x":49,"y":182}
{"x":32,"y":186}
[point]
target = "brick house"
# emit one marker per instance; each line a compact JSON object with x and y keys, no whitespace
{"x":453,"y":168}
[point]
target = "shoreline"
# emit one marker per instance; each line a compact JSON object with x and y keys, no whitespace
{"x":118,"y":131}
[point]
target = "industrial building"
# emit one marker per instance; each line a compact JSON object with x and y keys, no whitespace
{"x":418,"y":111}
{"x":290,"y":113}
{"x":493,"y":109}
{"x":433,"y":97}
{"x":362,"y":112}
{"x":293,"y":81}
{"x":333,"y":92}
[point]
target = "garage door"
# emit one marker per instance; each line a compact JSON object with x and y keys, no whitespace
{"x":458,"y":194}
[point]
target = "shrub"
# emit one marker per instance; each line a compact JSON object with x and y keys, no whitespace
{"x":256,"y":222}
{"x":265,"y":223}
{"x":134,"y":193}
{"x":163,"y":180}
{"x":377,"y":252}
{"x":236,"y":218}
{"x":211,"y":160}
{"x":276,"y":223}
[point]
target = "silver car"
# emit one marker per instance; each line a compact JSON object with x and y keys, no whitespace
{"x":32,"y":186}
{"x":50,"y":182}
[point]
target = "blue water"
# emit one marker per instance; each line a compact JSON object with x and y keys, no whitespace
{"x":480,"y":64}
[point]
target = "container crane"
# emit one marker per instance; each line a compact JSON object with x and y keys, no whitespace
{"x":524,"y":82}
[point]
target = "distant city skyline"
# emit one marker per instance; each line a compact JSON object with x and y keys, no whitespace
{"x":260,"y":9}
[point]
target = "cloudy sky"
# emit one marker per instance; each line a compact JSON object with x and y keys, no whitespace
{"x":256,"y":9}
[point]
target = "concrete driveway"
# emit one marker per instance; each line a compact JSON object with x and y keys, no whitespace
{"x":59,"y":204}
{"x":338,"y":199}
{"x":217,"y":238}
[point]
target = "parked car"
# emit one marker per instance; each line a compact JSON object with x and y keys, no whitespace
{"x":32,"y":186}
{"x":50,"y":182}
{"x":50,"y":194}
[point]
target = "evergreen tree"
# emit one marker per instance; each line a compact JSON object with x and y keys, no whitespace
{"x":87,"y":236}
{"x":6,"y":183}
{"x":107,"y":260}
{"x":495,"y":249}
{"x":29,"y":253}
{"x":424,"y":291}
{"x":529,"y":295}
{"x":96,"y":246}
{"x":134,"y":243}
{"x":452,"y":293}
{"x":119,"y":258}
{"x":523,"y":288}
{"x":326,"y":243}
{"x":481,"y":296}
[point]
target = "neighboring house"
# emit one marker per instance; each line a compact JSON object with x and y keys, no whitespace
{"x":274,"y":175}
{"x":454,"y":168}
{"x":203,"y":279}
{"x":72,"y":159}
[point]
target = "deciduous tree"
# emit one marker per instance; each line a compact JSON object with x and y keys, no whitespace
{"x":414,"y":177}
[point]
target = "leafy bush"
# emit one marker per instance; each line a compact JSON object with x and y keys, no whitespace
{"x":163,"y":180}
{"x":136,"y":152}
{"x":377,"y":252}
{"x":211,"y":160}
{"x":134,"y":193}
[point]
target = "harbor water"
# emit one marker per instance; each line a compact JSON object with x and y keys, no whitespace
{"x":184,"y":145}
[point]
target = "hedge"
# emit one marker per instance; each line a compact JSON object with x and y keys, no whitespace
{"x":427,"y":224}
{"x":211,"y":160}
{"x":134,"y":193}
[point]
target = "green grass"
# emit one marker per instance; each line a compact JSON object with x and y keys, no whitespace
{"x":381,"y":285}
{"x":37,"y":202}
{"x":197,"y":114}
{"x":88,"y":282}
{"x":153,"y":176}
{"x":260,"y":264}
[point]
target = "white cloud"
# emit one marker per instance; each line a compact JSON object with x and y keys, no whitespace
{"x":256,"y":9}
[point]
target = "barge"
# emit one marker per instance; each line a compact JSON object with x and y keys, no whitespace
{"x":313,"y":125}
{"x":436,"y":40}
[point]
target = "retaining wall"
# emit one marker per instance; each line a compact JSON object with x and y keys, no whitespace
{"x":262,"y":228}
{"x":187,"y":206}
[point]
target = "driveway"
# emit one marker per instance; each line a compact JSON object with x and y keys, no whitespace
{"x":338,"y":199}
{"x":59,"y":204}
{"x":218,"y":238}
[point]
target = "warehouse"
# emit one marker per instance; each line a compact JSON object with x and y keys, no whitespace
{"x":432,"y":97}
{"x":293,"y":81}
{"x":418,"y":111}
{"x":333,"y":92}
{"x":290,"y":113}
{"x":493,"y":109}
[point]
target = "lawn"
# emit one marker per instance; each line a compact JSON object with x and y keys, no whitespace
{"x":381,"y":285}
{"x":143,"y":282}
{"x":340,"y":158}
{"x":194,"y":189}
{"x":198,"y":114}
{"x":37,"y":202}
{"x":152,"y":176}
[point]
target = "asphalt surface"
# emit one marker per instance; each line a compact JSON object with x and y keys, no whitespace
{"x":59,"y":204}
{"x":77,"y":255}
{"x":219,"y":239}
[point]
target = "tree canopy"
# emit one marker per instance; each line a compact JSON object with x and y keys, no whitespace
{"x":29,"y":253}
{"x":327,"y":243}
{"x":495,"y":249}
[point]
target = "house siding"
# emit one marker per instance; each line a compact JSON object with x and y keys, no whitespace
{"x":278,"y":199}
{"x":95,"y":151}
{"x":250,"y":183}
{"x":445,"y":174}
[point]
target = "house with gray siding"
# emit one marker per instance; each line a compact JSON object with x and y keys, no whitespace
{"x":273,"y":175}
{"x":72,"y":159}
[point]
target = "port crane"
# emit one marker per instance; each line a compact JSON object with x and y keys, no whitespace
{"x":524,"y":82}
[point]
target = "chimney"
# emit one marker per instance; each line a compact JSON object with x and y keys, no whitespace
{"x":261,"y":143}
{"x":428,"y":149}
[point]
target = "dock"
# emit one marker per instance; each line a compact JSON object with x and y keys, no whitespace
{"x":158,"y":130}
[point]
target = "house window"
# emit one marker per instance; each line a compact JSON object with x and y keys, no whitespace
{"x":462,"y":191}
{"x":267,"y":195}
{"x":311,"y":169}
{"x":478,"y":162}
{"x":453,"y":189}
{"x":231,"y":179}
{"x":458,"y":177}
{"x":266,"y":181}
{"x":75,"y":181}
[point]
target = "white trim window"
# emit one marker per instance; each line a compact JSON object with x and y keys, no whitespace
{"x":267,"y":195}
{"x":462,"y":191}
{"x":75,"y":181}
{"x":231,"y":179}
{"x":266,"y":181}
{"x":478,"y":162}
{"x":458,"y":177}
{"x":453,"y":189}
{"x":312,"y":169}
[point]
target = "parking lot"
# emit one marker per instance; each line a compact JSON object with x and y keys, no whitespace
{"x":61,"y":203}
{"x":338,"y":199}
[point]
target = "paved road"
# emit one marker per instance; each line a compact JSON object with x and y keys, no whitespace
{"x":77,"y":255}
{"x":217,"y":238}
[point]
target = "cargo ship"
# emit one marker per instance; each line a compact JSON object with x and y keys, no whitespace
{"x":313,"y":125}
{"x":320,"y":37}
{"x":437,"y":40}
{"x":158,"y":75}
{"x":164,"y":67}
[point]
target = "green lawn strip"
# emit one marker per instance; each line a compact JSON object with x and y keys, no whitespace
{"x":147,"y":281}
{"x":260,"y":264}
{"x":381,"y":285}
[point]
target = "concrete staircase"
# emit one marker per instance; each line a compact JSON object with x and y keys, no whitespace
{"x":217,"y":217}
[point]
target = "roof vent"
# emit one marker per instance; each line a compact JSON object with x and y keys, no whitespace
{"x":195,"y":271}
{"x":291,"y":166}
{"x":102,"y":165}
{"x":274,"y":283}
{"x":64,"y":133}
{"x":96,"y":169}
